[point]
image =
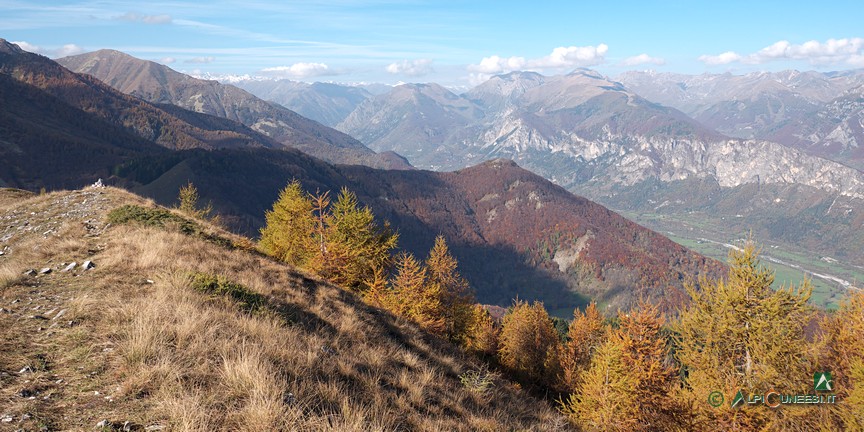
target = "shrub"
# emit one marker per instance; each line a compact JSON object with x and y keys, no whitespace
{"x":246,"y":299}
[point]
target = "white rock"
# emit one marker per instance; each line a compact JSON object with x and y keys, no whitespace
{"x":70,"y":267}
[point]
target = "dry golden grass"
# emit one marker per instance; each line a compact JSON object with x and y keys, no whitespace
{"x":316,"y":358}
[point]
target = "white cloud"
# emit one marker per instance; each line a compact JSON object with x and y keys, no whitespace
{"x":63,"y":51}
{"x":832,"y":51}
{"x":414,"y":68}
{"x":146,"y":19}
{"x":725,"y":58}
{"x":167,"y":60}
{"x":495,"y":64}
{"x":568,"y":57}
{"x":559,"y":58}
{"x":300,"y":70}
{"x":643,"y":59}
{"x":475,"y":79}
{"x":200,"y":60}
{"x":26,"y":46}
{"x":856,"y":60}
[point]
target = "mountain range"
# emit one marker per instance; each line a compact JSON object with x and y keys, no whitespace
{"x":159,"y":84}
{"x":516,"y":233}
{"x":820,"y":113}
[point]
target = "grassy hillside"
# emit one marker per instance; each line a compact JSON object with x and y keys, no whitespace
{"x":180,"y":326}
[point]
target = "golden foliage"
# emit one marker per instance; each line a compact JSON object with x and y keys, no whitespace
{"x":529,"y":344}
{"x":843,"y":354}
{"x":740,"y":334}
{"x":482,"y":334}
{"x":341,"y":242}
{"x":584,"y":336}
{"x":456,"y":300}
{"x":603,"y":401}
{"x":287,"y":234}
{"x":188,"y":202}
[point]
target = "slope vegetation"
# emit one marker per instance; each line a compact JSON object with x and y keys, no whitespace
{"x":178,"y":326}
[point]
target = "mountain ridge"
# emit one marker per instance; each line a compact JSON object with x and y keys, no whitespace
{"x":157,"y":83}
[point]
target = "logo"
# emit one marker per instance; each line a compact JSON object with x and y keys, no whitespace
{"x":739,"y":399}
{"x":822,"y":381}
{"x":715,"y":399}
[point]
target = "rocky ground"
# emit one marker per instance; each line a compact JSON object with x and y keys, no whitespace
{"x":53,"y":366}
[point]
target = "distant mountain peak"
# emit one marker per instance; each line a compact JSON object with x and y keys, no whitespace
{"x":587,"y":73}
{"x":9,"y":47}
{"x":160,"y":84}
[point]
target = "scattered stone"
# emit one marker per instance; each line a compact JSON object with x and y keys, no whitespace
{"x":59,"y":381}
{"x":98,"y":184}
{"x":127,"y":426}
{"x":27,"y":393}
{"x":150,"y":281}
{"x":60,"y":314}
{"x":2,"y":253}
{"x":30,"y":272}
{"x":16,"y":301}
{"x":104,"y":424}
{"x":4,"y":310}
{"x":45,"y":270}
{"x":25,"y":417}
{"x":88,"y":265}
{"x":154,"y":428}
{"x":26,"y":369}
{"x":70,"y":267}
{"x":7,"y":418}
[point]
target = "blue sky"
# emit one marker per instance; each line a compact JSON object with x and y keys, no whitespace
{"x":456,"y":43}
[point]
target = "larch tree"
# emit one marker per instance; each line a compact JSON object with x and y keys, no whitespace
{"x":603,"y":399}
{"x":354,"y":245}
{"x":648,"y":362}
{"x":482,"y":334}
{"x":740,"y":334}
{"x":640,"y":383}
{"x":415,"y":299}
{"x":529,"y":345}
{"x":456,"y":300}
{"x":288,"y":232}
{"x":843,"y":355}
{"x":188,"y":202}
{"x":585,"y":334}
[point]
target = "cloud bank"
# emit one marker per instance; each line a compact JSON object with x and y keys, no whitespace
{"x":643,"y":59}
{"x":832,"y":51}
{"x":413,"y":68}
{"x":299,"y":70}
{"x":200,"y":60}
{"x":63,"y":51}
{"x":559,"y":58}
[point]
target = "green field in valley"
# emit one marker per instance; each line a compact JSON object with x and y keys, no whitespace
{"x":828,"y":276}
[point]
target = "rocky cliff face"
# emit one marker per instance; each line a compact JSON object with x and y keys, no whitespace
{"x":581,"y":129}
{"x":819,"y":113}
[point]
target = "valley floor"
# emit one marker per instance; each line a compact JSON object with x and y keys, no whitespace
{"x":831,"y":277}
